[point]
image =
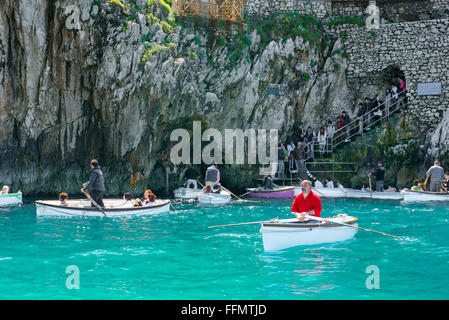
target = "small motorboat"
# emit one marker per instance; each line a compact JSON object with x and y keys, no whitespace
{"x":286,"y":233}
{"x":10,"y":199}
{"x":423,"y":196}
{"x":113,"y":208}
{"x":215,"y":198}
{"x":185,"y":193}
{"x":279,"y":192}
{"x":362,"y":194}
{"x":325,"y":192}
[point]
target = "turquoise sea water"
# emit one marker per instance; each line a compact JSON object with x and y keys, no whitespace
{"x":175,"y":256}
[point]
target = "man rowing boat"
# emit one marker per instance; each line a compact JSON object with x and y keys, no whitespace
{"x":96,"y":183}
{"x":436,"y":174}
{"x":307,"y":202}
{"x":212,"y":175}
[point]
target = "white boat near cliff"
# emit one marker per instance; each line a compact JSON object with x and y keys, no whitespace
{"x":113,"y":208}
{"x":11,"y":199}
{"x":361,"y":194}
{"x":185,"y":193}
{"x":286,"y":233}
{"x":423,"y":196}
{"x":212,"y":198}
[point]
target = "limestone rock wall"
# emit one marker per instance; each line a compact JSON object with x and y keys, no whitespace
{"x":75,"y":85}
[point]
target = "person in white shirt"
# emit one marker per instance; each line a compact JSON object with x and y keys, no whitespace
{"x":290,"y":148}
{"x":5,"y":190}
{"x":329,"y":183}
{"x":339,"y":185}
{"x":318,"y":184}
{"x":322,"y":140}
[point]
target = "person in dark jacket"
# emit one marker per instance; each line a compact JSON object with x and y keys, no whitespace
{"x":360,"y":115}
{"x":191,"y":176}
{"x":346,"y":124}
{"x":95,"y":183}
{"x":281,"y":158}
{"x":299,"y":155}
{"x":368,"y":112}
{"x":268,"y":183}
{"x":379,"y":173}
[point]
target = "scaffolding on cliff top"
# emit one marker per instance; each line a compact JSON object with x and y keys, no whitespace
{"x":230,"y":11}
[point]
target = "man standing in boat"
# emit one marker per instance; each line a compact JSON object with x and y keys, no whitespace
{"x":379,"y":173}
{"x":96,"y":183}
{"x":436,"y":174}
{"x":307,"y":202}
{"x":212,"y":175}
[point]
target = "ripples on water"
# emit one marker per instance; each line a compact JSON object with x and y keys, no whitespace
{"x":175,"y":256}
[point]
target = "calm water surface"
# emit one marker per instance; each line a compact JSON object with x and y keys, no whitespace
{"x":175,"y":256}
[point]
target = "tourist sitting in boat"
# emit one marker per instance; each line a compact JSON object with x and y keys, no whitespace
{"x":436,"y":174}
{"x":191,"y":176}
{"x":63,"y":197}
{"x":207,"y":188}
{"x":391,"y":189}
{"x":5,"y":190}
{"x":307,"y":202}
{"x":212,"y":175}
{"x":365,"y":189}
{"x":329,"y":183}
{"x":339,"y":185}
{"x":268,"y":183}
{"x":417,"y":186}
{"x":216,"y":188}
{"x":318,"y":184}
{"x":150,"y":198}
{"x":137,"y":203}
{"x":445,"y":183}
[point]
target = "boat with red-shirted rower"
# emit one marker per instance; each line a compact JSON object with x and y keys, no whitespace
{"x":286,"y":233}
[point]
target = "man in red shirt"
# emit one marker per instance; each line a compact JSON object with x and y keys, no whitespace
{"x":306,"y":202}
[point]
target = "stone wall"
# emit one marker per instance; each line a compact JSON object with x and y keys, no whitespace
{"x":402,"y":10}
{"x":419,"y":49}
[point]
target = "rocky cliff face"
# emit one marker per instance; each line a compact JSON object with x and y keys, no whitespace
{"x":110,"y":80}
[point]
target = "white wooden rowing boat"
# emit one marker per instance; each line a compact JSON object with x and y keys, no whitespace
{"x":423,"y":196}
{"x":185,"y":193}
{"x":113,"y":208}
{"x":361,"y":194}
{"x":286,"y":233}
{"x":326,"y":192}
{"x":222,"y":197}
{"x":10,"y":199}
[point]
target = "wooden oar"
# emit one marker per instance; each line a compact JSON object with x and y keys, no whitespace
{"x":370,"y":189}
{"x":425,"y":183}
{"x":95,"y":204}
{"x":238,"y":224}
{"x":349,"y":225}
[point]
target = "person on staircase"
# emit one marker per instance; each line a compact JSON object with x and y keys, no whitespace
{"x":346,"y":124}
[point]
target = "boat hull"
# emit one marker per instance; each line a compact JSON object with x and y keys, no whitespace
{"x":424,"y":196}
{"x":281,"y":193}
{"x":221,"y":198}
{"x":359,"y":194}
{"x":185,"y":193}
{"x":325,"y":192}
{"x":290,"y":233}
{"x":10,"y":199}
{"x":83,"y":208}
